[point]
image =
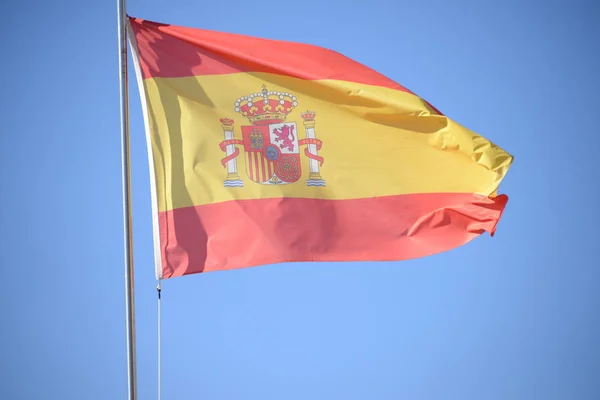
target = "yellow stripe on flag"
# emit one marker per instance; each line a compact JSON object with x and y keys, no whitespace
{"x":376,"y":141}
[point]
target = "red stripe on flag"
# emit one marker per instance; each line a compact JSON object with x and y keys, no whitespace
{"x":170,"y":51}
{"x":249,"y":163}
{"x":218,"y":236}
{"x":263,"y":169}
{"x":257,"y":173}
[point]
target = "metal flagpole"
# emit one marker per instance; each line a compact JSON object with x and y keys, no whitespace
{"x":126,"y":173}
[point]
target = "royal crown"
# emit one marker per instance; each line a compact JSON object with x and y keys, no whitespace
{"x":266,"y":107}
{"x":308,"y":115}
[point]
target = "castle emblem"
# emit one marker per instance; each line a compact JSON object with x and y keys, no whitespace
{"x":271,"y":143}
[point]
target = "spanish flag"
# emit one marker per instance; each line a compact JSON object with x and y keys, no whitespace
{"x":265,"y":151}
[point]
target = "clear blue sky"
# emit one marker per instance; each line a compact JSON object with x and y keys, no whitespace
{"x":510,"y":317}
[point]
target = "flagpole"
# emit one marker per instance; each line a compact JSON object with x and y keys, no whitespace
{"x":126,"y":173}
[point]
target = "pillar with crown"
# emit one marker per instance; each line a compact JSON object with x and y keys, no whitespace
{"x":315,"y":161}
{"x":233,"y":178}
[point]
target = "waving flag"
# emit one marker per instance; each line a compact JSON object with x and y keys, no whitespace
{"x":265,"y":151}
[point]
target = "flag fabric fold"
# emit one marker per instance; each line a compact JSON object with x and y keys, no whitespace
{"x":264,"y":151}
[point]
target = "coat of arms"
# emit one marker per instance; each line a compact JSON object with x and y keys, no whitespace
{"x":271,"y":143}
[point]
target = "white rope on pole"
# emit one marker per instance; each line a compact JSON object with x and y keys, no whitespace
{"x":159,"y":318}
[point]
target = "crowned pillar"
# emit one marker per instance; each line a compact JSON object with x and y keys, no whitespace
{"x":314,"y":162}
{"x":233,"y":178}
